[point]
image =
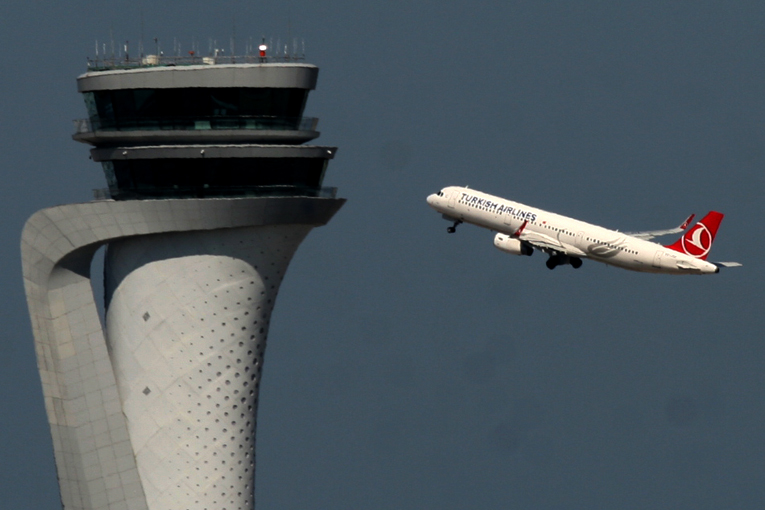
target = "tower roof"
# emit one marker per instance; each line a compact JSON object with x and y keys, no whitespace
{"x":265,"y":75}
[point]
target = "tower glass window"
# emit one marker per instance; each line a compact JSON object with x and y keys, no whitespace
{"x":171,"y":177}
{"x":222,"y":108}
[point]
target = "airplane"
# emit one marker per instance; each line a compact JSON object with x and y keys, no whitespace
{"x":523,"y":229}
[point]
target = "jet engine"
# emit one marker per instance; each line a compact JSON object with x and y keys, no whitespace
{"x":512,"y":245}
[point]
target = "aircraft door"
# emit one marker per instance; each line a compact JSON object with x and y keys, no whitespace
{"x":657,"y":258}
{"x":452,"y":197}
{"x":579,"y":237}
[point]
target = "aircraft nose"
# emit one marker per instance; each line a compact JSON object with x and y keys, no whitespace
{"x":432,"y":199}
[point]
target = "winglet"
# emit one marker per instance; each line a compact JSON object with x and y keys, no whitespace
{"x":520,"y":229}
{"x":687,"y":222}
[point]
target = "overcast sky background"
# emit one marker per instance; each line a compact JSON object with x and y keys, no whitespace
{"x":412,"y":369}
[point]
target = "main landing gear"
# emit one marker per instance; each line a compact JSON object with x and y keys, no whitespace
{"x":453,"y":228}
{"x":558,"y":260}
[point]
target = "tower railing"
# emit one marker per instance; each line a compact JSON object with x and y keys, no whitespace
{"x":126,"y":62}
{"x":196,"y":123}
{"x":148,"y":193}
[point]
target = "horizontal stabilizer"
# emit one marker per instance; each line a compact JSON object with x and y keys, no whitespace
{"x":727,"y":264}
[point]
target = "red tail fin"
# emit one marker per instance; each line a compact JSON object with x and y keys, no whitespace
{"x":697,"y":241}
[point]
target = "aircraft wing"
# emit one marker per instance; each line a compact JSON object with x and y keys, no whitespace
{"x":547,"y":244}
{"x":650,"y":234}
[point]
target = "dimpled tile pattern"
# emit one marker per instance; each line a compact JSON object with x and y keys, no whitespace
{"x":93,"y":450}
{"x":187,"y":321}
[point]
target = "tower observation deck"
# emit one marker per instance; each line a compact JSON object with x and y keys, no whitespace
{"x":211,"y":189}
{"x":204,"y":130}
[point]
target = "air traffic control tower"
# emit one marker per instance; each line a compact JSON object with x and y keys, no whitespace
{"x":211,"y":189}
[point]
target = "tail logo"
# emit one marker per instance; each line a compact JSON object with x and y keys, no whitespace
{"x":698,"y":241}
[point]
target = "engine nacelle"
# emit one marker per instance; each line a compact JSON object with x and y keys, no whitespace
{"x":512,"y":245}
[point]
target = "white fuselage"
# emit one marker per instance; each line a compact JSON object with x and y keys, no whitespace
{"x":576,"y":238}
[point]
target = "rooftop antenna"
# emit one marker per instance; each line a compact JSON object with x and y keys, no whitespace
{"x":233,"y":29}
{"x":96,"y":49}
{"x":233,"y":32}
{"x":289,"y":29}
{"x":140,"y":42}
{"x":262,"y":48}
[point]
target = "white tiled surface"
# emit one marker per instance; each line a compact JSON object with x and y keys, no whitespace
{"x":94,"y":455}
{"x":187,"y":323}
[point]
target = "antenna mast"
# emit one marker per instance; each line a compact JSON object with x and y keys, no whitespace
{"x":289,"y":30}
{"x":233,"y":29}
{"x":140,"y":41}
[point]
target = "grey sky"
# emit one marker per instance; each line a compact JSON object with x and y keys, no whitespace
{"x":411,"y":369}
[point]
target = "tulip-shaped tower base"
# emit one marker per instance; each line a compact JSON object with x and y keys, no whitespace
{"x":187,"y":321}
{"x":160,"y":411}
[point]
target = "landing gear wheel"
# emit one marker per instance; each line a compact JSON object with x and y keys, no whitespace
{"x":551,"y":263}
{"x":453,"y":228}
{"x":576,"y":262}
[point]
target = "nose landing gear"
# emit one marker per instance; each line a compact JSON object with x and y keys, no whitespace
{"x":453,"y":228}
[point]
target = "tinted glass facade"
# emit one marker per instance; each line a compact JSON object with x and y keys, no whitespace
{"x":214,"y":177}
{"x":174,"y":108}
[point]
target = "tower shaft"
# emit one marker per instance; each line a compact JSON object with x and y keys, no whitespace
{"x":93,"y":396}
{"x":187,"y":321}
